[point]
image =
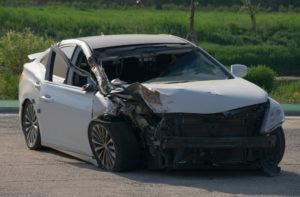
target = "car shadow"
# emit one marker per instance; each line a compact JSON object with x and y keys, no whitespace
{"x":247,"y":182}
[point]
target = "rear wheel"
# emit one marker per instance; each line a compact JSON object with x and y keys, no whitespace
{"x":30,"y":127}
{"x":114,"y":145}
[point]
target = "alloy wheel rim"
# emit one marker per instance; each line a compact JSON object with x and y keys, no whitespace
{"x":30,"y":125}
{"x":104,"y":146}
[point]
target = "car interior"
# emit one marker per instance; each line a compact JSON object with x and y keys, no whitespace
{"x":138,"y":69}
{"x":82,"y":65}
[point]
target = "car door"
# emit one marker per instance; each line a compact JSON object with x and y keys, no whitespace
{"x":65,"y":110}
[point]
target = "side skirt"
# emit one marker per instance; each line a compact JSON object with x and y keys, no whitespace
{"x":81,"y":156}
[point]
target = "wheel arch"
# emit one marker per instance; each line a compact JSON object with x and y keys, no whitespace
{"x":26,"y":100}
{"x":118,"y":119}
{"x":123,"y":136}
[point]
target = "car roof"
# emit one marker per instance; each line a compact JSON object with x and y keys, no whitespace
{"x":106,"y":41}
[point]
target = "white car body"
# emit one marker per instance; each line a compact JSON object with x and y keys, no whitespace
{"x":65,"y":111}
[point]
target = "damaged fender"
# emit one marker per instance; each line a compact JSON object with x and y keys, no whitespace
{"x":129,"y":101}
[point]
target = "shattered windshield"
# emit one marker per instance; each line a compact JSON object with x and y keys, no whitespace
{"x":165,"y":65}
{"x":192,"y":66}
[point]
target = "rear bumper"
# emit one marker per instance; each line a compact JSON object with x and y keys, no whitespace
{"x":219,"y":142}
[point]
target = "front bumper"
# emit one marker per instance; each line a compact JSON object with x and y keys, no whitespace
{"x":197,"y":140}
{"x":210,"y":152}
{"x":219,"y":143}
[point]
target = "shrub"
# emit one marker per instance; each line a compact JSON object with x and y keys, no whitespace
{"x":2,"y":85}
{"x":15,"y":46}
{"x":283,"y":60}
{"x":262,"y":76}
{"x":9,"y":85}
{"x":287,"y":92}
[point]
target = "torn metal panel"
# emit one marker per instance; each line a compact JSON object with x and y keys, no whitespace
{"x":103,"y":82}
{"x":131,"y":103}
{"x":103,"y":105}
{"x":151,"y":96}
{"x":128,"y":101}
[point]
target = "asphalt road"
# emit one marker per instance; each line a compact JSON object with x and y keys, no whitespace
{"x":50,"y":173}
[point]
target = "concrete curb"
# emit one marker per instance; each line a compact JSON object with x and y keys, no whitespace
{"x":9,"y":110}
{"x":9,"y":106}
{"x":292,"y":113}
{"x":291,"y":109}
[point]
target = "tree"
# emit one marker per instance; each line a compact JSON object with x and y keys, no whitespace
{"x":191,"y":32}
{"x":251,"y":9}
{"x":139,"y":3}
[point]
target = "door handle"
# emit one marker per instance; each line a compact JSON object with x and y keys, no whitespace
{"x":37,"y":85}
{"x":47,"y":98}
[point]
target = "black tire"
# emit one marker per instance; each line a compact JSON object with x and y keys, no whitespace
{"x":276,"y":153}
{"x":126,"y":149}
{"x":30,"y":127}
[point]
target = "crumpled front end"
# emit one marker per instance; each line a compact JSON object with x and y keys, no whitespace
{"x":187,"y":140}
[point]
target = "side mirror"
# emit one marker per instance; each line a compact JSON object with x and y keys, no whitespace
{"x":88,"y":87}
{"x":239,"y":70}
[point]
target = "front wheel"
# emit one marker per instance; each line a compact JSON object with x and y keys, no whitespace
{"x":114,"y":145}
{"x":275,"y":154}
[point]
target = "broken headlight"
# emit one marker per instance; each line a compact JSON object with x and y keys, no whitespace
{"x":274,"y":117}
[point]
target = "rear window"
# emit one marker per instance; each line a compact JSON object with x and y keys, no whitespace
{"x":60,"y":68}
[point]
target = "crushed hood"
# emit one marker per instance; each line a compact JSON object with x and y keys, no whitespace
{"x":203,"y":97}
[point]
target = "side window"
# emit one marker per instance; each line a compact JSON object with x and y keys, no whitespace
{"x":68,"y":50}
{"x":60,"y":69}
{"x":81,"y":63}
{"x":44,"y":60}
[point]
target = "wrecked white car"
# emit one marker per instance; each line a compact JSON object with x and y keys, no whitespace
{"x":157,"y":101}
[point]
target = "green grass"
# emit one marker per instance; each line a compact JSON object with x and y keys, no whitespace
{"x":2,"y":84}
{"x":217,"y":27}
{"x":8,"y":86}
{"x":225,"y":34}
{"x":284,"y":60}
{"x":287,"y":92}
{"x":14,"y":48}
{"x":9,"y":103}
